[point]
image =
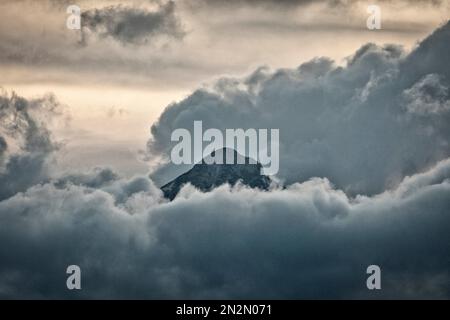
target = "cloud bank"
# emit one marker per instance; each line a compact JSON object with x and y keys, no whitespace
{"x":307,"y":241}
{"x":378,"y":126}
{"x":364,"y":126}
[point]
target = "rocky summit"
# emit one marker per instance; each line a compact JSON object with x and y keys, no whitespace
{"x":205,"y":176}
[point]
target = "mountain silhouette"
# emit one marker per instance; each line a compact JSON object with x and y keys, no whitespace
{"x":206,"y":177}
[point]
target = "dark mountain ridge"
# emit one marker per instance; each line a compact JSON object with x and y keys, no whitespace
{"x":206,"y":177}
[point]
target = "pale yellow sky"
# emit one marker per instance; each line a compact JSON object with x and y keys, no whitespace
{"x":104,"y":120}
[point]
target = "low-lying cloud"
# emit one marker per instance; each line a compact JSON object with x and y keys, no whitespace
{"x":307,"y":241}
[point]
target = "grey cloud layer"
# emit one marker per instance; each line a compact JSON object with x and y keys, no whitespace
{"x":139,"y":42}
{"x":307,"y":241}
{"x":364,"y":126}
{"x":133,"y":41}
{"x":291,"y":3}
{"x":132,"y":24}
{"x":26,"y":143}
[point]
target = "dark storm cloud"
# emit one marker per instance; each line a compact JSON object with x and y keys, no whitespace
{"x":24,"y":123}
{"x":98,"y":178}
{"x":381,"y":117}
{"x":25,"y":119}
{"x":51,"y":53}
{"x":362,"y":126}
{"x":307,"y":241}
{"x":133,"y":24}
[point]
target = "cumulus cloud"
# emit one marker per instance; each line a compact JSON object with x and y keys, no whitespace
{"x":344,"y":131}
{"x":307,"y":241}
{"x":428,"y":96}
{"x":26,"y":143}
{"x":132,"y":25}
{"x":362,"y":125}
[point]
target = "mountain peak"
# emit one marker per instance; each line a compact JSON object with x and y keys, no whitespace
{"x":207,"y":175}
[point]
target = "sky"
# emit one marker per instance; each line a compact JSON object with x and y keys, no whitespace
{"x":85,"y":123}
{"x":93,"y":71}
